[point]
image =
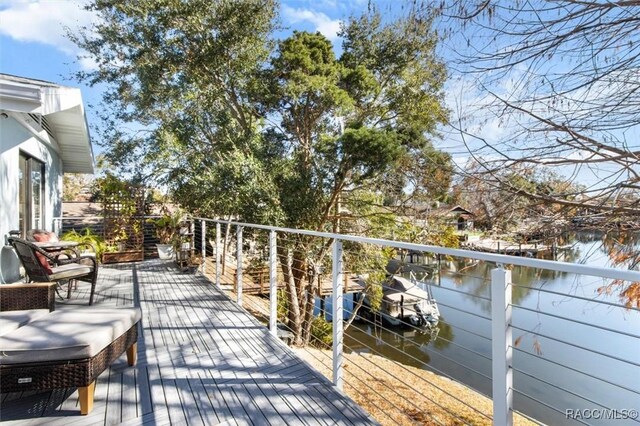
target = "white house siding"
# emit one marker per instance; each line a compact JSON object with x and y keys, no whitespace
{"x":14,"y":138}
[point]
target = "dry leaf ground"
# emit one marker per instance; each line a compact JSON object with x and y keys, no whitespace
{"x":394,"y":393}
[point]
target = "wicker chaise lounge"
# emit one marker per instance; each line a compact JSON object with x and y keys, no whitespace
{"x":41,"y":350}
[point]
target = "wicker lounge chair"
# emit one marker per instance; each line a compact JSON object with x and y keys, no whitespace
{"x":64,"y":349}
{"x":43,"y":266}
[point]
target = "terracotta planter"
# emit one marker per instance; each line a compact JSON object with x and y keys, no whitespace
{"x":123,"y":256}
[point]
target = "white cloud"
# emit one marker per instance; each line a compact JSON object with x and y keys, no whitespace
{"x":44,"y":21}
{"x":321,"y":22}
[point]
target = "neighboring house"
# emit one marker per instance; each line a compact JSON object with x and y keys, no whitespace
{"x":456,"y":216}
{"x":43,"y":134}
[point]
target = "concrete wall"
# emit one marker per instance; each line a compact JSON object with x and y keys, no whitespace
{"x":14,"y":138}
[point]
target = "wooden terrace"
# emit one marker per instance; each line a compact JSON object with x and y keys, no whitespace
{"x":202,"y":360}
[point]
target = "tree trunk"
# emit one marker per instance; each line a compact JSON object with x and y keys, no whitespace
{"x":294,"y":319}
{"x":299,"y":273}
{"x":310,"y":291}
{"x":354,"y":312}
{"x":224,"y":247}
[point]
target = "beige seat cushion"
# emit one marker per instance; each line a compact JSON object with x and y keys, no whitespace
{"x":12,"y":320}
{"x":69,"y":271}
{"x":66,"y":335}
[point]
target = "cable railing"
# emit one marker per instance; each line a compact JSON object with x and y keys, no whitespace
{"x":518,"y":340}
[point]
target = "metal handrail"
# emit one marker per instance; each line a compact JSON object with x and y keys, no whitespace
{"x":500,"y":259}
{"x":496,"y":300}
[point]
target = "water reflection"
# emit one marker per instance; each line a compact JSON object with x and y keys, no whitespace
{"x":575,"y":347}
{"x":408,"y":345}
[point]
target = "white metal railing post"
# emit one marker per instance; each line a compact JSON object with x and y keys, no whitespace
{"x":239,"y":265}
{"x":337,"y":316}
{"x":273,"y":284}
{"x":217,"y":248}
{"x":502,"y":347}
{"x":192,"y":240}
{"x":203,"y":243}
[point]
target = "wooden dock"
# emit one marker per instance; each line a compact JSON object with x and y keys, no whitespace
{"x":202,"y":360}
{"x":257,"y":282}
{"x":490,"y":245}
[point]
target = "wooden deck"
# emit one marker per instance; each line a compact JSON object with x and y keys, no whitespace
{"x":201,"y":360}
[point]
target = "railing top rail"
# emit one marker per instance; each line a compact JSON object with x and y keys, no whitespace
{"x":77,"y":217}
{"x":101,"y":217}
{"x":574,"y":268}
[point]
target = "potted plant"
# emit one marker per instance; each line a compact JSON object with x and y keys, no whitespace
{"x":167,"y":228}
{"x":87,"y":238}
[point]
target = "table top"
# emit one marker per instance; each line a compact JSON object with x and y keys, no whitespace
{"x":56,"y":244}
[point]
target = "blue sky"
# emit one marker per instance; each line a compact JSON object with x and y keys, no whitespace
{"x":33,"y":42}
{"x":33,"y":45}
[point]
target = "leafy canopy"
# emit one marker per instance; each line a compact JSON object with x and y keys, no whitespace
{"x":283,"y":132}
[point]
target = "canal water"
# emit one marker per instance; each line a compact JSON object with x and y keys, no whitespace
{"x":566,"y":358}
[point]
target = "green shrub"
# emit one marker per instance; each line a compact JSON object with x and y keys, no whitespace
{"x":87,"y":236}
{"x":321,"y":332}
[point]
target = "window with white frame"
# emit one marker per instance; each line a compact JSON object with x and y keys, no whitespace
{"x":31,"y":193}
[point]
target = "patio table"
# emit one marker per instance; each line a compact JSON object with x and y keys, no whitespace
{"x":56,"y":245}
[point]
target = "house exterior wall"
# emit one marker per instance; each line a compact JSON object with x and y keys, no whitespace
{"x":15,"y":138}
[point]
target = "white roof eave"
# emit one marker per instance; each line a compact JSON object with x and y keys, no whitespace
{"x":64,"y":110}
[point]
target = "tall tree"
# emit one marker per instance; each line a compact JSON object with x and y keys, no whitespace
{"x":177,"y":77}
{"x":560,"y":78}
{"x":281,"y":136}
{"x":353,"y":125}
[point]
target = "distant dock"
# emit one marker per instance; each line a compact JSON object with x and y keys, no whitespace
{"x":490,"y":245}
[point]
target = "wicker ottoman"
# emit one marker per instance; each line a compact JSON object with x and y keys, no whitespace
{"x":67,"y":349}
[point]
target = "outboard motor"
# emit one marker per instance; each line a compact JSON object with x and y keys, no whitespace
{"x":423,"y":318}
{"x":416,"y":320}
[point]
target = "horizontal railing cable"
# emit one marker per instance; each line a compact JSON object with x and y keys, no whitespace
{"x":363,"y":382}
{"x":549,"y":406}
{"x":419,"y":346}
{"x":621,"y":274}
{"x":592,"y":325}
{"x":447,"y":289}
{"x":473,"y":314}
{"x":429,"y":366}
{"x":412,"y":373}
{"x":575,"y":370}
{"x":570,"y":392}
{"x":453,"y":290}
{"x":626,"y":361}
{"x":575,"y":296}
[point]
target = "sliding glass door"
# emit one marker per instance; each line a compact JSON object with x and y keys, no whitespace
{"x":31,"y":194}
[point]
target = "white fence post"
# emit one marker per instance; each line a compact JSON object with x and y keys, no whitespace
{"x":203,"y":243}
{"x":273,"y":284}
{"x":217,"y":248}
{"x":338,"y":325}
{"x":501,"y":347}
{"x":239,"y":265}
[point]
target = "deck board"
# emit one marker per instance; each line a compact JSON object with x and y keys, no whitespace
{"x":202,"y":360}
